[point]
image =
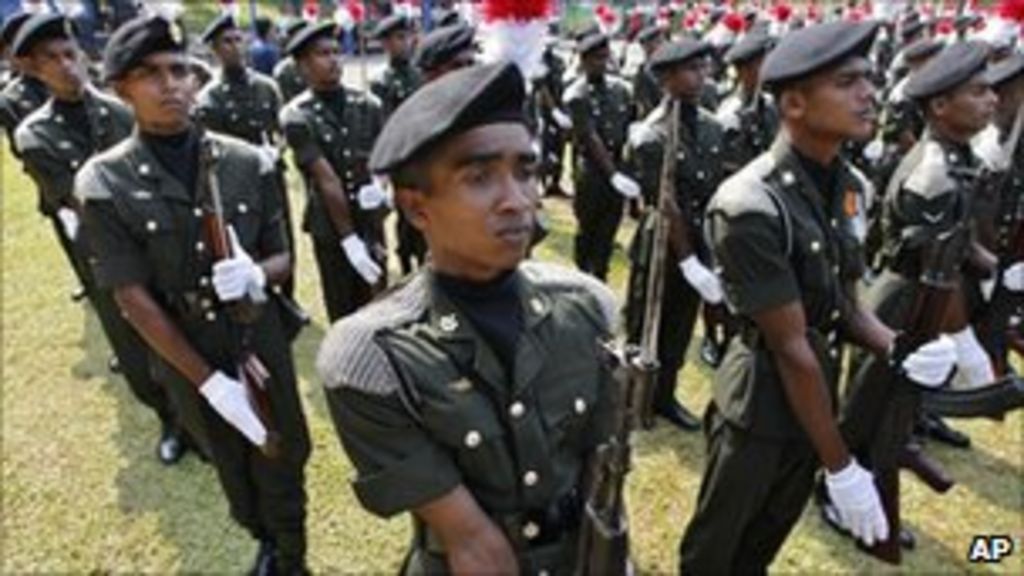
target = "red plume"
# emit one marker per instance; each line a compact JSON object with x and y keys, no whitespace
{"x":781,"y":12}
{"x":356,"y":9}
{"x":494,"y":10}
{"x":944,"y":26}
{"x":1012,"y":10}
{"x":735,"y":22}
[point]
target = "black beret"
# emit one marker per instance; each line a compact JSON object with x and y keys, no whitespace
{"x":41,"y":27}
{"x":448,"y":18}
{"x":292,"y":28}
{"x":305,"y":36}
{"x":808,"y":50}
{"x":910,"y":28}
{"x":676,"y":53}
{"x":649,"y":33}
{"x":442,"y":45}
{"x":219,"y":24}
{"x":1005,"y":70}
{"x":391,"y":24}
{"x":11,"y":27}
{"x":457,"y":102}
{"x":952,"y":67}
{"x":922,"y":49}
{"x":590,"y":28}
{"x":749,"y":47}
{"x":138,"y":38}
{"x":965,"y":21}
{"x":591,"y":42}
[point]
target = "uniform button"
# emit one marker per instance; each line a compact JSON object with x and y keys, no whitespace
{"x":74,"y":164}
{"x":531,"y":530}
{"x":531,"y":478}
{"x":151,"y":226}
{"x":197,"y":212}
{"x":243,"y":208}
{"x":700,"y":175}
{"x":833,"y":353}
{"x":537,"y":305}
{"x":517,"y":409}
{"x":204,"y":281}
{"x":543,"y":573}
{"x":200,"y":246}
{"x":327,"y":138}
{"x":472,"y":439}
{"x":59,"y":118}
{"x":788,"y":179}
{"x":448,"y":323}
{"x":835,"y":270}
{"x":580,"y":405}
{"x":211,"y":316}
{"x":206,"y":303}
{"x":815,"y":246}
{"x":834,"y":223}
{"x":835,"y":315}
{"x":144,"y":169}
{"x":104,"y":112}
{"x":344,"y":131}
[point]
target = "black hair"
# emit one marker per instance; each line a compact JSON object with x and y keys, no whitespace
{"x":263,"y":26}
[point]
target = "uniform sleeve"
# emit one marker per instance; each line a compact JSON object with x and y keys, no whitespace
{"x":755,"y":271}
{"x":398,"y":467}
{"x":273,"y":229}
{"x":51,"y":176}
{"x":206,"y":113}
{"x":120,"y":261}
{"x":300,"y":139}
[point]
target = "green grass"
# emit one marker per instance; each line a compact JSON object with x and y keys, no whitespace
{"x":83,"y":492}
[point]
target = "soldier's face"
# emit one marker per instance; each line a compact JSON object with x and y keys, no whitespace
{"x":56,"y":63}
{"x":398,"y":44}
{"x":320,"y":65}
{"x":160,"y":91}
{"x":228,"y":48}
{"x":835,"y":104}
{"x":968,"y":109}
{"x":596,"y":62}
{"x":686,"y":80}
{"x":1011,"y":97}
{"x":478,"y":210}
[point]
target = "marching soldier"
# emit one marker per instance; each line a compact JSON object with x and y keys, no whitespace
{"x":748,"y":115}
{"x":23,"y":94}
{"x":286,"y":73}
{"x":689,"y":282}
{"x":148,"y":207}
{"x":54,"y":142}
{"x":330,"y":129}
{"x":600,"y":106}
{"x":781,"y":236}
{"x":555,"y":123}
{"x":902,"y":120}
{"x":399,"y":79}
{"x":646,"y":90}
{"x":445,"y":49}
{"x":473,"y":394}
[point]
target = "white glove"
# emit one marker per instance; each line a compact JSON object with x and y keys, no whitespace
{"x":703,"y":280}
{"x":372,"y":196}
{"x":270,"y":152}
{"x":874,"y":151}
{"x":972,"y":362}
{"x":987,"y":286}
{"x":237,"y":276}
{"x":853,"y":493}
{"x":625,"y":185}
{"x":230,"y":399}
{"x":1013,"y":277}
{"x":561,"y":118}
{"x":930,"y":364}
{"x":69,"y":221}
{"x":359,"y":257}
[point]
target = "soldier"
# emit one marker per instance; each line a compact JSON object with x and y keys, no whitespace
{"x":54,"y":142}
{"x":145,"y":204}
{"x":23,"y":94}
{"x":601,"y":109}
{"x":902,"y":122}
{"x":400,"y":78}
{"x":555,"y":123}
{"x":286,"y":73}
{"x":331,"y":129}
{"x":787,"y":273}
{"x":445,"y":49}
{"x":472,"y":395}
{"x":646,"y":90}
{"x":748,"y":115}
{"x":680,"y":69}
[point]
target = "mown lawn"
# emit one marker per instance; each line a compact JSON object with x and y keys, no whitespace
{"x":83,"y":492}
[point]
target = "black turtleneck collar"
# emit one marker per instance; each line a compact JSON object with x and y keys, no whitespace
{"x":235,"y":74}
{"x":178,"y":154}
{"x":493,"y":308}
{"x":688,"y":117}
{"x":334,"y":98}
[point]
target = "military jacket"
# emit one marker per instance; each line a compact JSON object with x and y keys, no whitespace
{"x":345,"y":137}
{"x":606,"y":108}
{"x":290,"y":82}
{"x":750,"y":127}
{"x":394,"y":85}
{"x":53,"y":149}
{"x":776,"y":239}
{"x":422,"y":404}
{"x":900,"y":115}
{"x":246,"y":109}
{"x":646,"y":91}
{"x":19,"y":98}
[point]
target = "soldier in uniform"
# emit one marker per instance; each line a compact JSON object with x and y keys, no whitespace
{"x":445,"y":49}
{"x":782,"y":240}
{"x":689,"y":280}
{"x":472,"y":394}
{"x":601,"y":109}
{"x":555,"y":123}
{"x":286,"y":73}
{"x":330,"y":129}
{"x":747,"y":115}
{"x":646,"y":90}
{"x":145,"y":203}
{"x":54,"y":142}
{"x":23,"y":94}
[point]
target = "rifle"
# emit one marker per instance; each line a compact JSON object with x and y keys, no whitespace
{"x":604,"y":533}
{"x":244,"y":313}
{"x":884,"y":403}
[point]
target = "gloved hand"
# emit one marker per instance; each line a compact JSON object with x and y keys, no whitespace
{"x":930,"y":364}
{"x":237,"y":276}
{"x":359,"y":257}
{"x":874,"y":151}
{"x":231,"y":400}
{"x":987,"y":286}
{"x":69,"y":222}
{"x":561,"y":118}
{"x":971,"y":360}
{"x":853,"y":493}
{"x":1013,"y":277}
{"x":271,"y":153}
{"x":625,"y":185}
{"x":703,"y":280}
{"x":372,"y":196}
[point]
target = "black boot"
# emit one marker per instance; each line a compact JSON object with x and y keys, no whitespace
{"x":266,"y":560}
{"x":171,"y":447}
{"x":677,"y":415}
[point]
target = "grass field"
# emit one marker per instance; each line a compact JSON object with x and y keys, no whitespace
{"x":83,"y":492}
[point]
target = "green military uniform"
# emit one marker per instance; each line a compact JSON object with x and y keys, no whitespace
{"x":146,"y":229}
{"x":54,"y":142}
{"x":750,"y":123}
{"x":547,"y":94}
{"x":646,"y":91}
{"x":289,"y":80}
{"x":699,"y":171}
{"x":777,"y":237}
{"x":604,"y":108}
{"x":19,"y":98}
{"x":340,"y":127}
{"x":244,"y":105}
{"x":423,"y":403}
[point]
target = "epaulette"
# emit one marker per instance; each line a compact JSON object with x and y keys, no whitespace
{"x":575,"y":91}
{"x":561,"y":278}
{"x":930,"y":178}
{"x":239,"y":148}
{"x":25,"y":136}
{"x":89,"y":181}
{"x":350,"y":358}
{"x":728,"y":113}
{"x":362,"y":97}
{"x":737,"y":195}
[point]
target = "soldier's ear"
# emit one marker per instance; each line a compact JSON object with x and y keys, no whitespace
{"x":792,"y":104}
{"x":410,"y":202}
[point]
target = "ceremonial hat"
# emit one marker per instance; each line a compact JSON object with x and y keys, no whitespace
{"x":40,"y":27}
{"x":922,"y":49}
{"x":591,"y":42}
{"x":950,"y":68}
{"x":390,"y":24}
{"x":677,"y":53}
{"x":442,"y":45}
{"x":1005,"y":70}
{"x":809,"y":50}
{"x":11,"y":26}
{"x":305,"y":36}
{"x":219,"y":24}
{"x":292,"y":28}
{"x":752,"y":45}
{"x":138,"y":38}
{"x":649,"y":33}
